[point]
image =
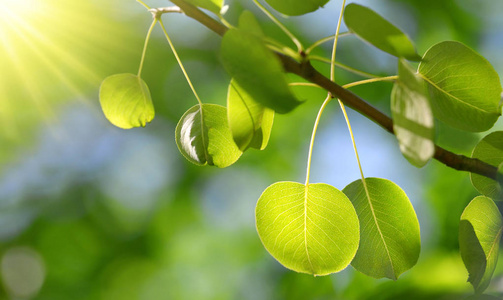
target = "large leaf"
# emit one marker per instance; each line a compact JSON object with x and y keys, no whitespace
{"x":250,"y":121}
{"x":257,"y":70}
{"x":465,"y":90}
{"x":377,"y":31}
{"x":389,"y":230}
{"x":248,"y":23}
{"x":479,"y":236}
{"x":214,"y":6}
{"x":125,"y":100}
{"x":412,"y":116}
{"x":489,"y":150}
{"x":310,"y":229}
{"x":296,"y":7}
{"x":204,"y":137}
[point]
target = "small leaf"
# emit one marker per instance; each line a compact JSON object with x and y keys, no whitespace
{"x":412,"y":116}
{"x":479,"y":236}
{"x":489,"y":150}
{"x":257,"y":70}
{"x":296,"y":7}
{"x":248,"y":23}
{"x":205,"y":138}
{"x":465,"y":90}
{"x":125,"y":100}
{"x":389,"y":230}
{"x":310,"y":229}
{"x":215,"y":6}
{"x":377,"y":31}
{"x":250,"y":122}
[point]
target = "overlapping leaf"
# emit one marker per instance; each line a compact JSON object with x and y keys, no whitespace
{"x":125,"y":100}
{"x":257,"y":70}
{"x":377,"y":31}
{"x":479,"y":236}
{"x":465,"y":90}
{"x":296,"y":7}
{"x":250,"y":122}
{"x":389,"y":229}
{"x":310,"y":229}
{"x":203,"y":136}
{"x":489,"y":150}
{"x":412,"y":116}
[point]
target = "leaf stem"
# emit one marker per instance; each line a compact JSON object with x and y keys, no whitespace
{"x":304,"y":84}
{"x":142,"y":3}
{"x":324,"y":40}
{"x":145,"y":46}
{"x":313,"y":136}
{"x":180,"y":63}
{"x":343,"y":66}
{"x":336,"y":39}
{"x":387,"y":78}
{"x":294,"y":39}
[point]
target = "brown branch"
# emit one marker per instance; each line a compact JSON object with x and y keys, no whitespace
{"x":306,"y":71}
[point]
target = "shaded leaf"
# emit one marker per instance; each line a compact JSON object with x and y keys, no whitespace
{"x":215,"y":6}
{"x":377,"y":31}
{"x":250,"y":122}
{"x":125,"y":100}
{"x":296,"y":7}
{"x":310,"y":229}
{"x":489,"y":150}
{"x":389,"y":229}
{"x":465,"y":90}
{"x":479,"y":236}
{"x":248,"y":23}
{"x":412,"y":116}
{"x":205,"y":138}
{"x":257,"y":70}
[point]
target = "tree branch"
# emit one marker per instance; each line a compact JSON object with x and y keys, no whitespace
{"x":308,"y":72}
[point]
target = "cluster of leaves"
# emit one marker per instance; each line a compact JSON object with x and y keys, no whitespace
{"x":370,"y":224}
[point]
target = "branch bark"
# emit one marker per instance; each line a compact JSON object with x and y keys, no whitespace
{"x":308,"y":72}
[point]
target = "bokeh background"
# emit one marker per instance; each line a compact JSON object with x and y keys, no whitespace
{"x":90,"y":211}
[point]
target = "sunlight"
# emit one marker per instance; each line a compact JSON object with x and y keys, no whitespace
{"x":52,"y":52}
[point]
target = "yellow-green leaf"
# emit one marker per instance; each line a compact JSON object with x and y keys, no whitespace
{"x":125,"y":100}
{"x":203,"y":136}
{"x":489,"y":150}
{"x":310,"y":229}
{"x":479,"y":237}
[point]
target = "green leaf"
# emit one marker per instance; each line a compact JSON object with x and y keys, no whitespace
{"x":125,"y":100}
{"x":389,"y":230}
{"x":465,"y":90}
{"x":257,"y":70}
{"x":412,"y":116}
{"x":205,"y":138}
{"x":296,"y":7}
{"x":377,"y":31}
{"x":250,"y":122}
{"x":248,"y":23}
{"x":310,"y":229}
{"x":489,"y":150}
{"x":479,"y":236}
{"x":215,"y":6}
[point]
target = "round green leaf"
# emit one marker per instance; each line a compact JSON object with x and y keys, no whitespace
{"x":296,"y":7}
{"x":310,"y":229}
{"x":389,"y":230}
{"x":412,"y":116}
{"x":125,"y":100}
{"x":257,"y":70}
{"x":479,"y":236}
{"x":250,"y":121}
{"x":215,"y":6}
{"x":465,"y":90}
{"x":205,"y":138}
{"x":489,"y":150}
{"x":377,"y":31}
